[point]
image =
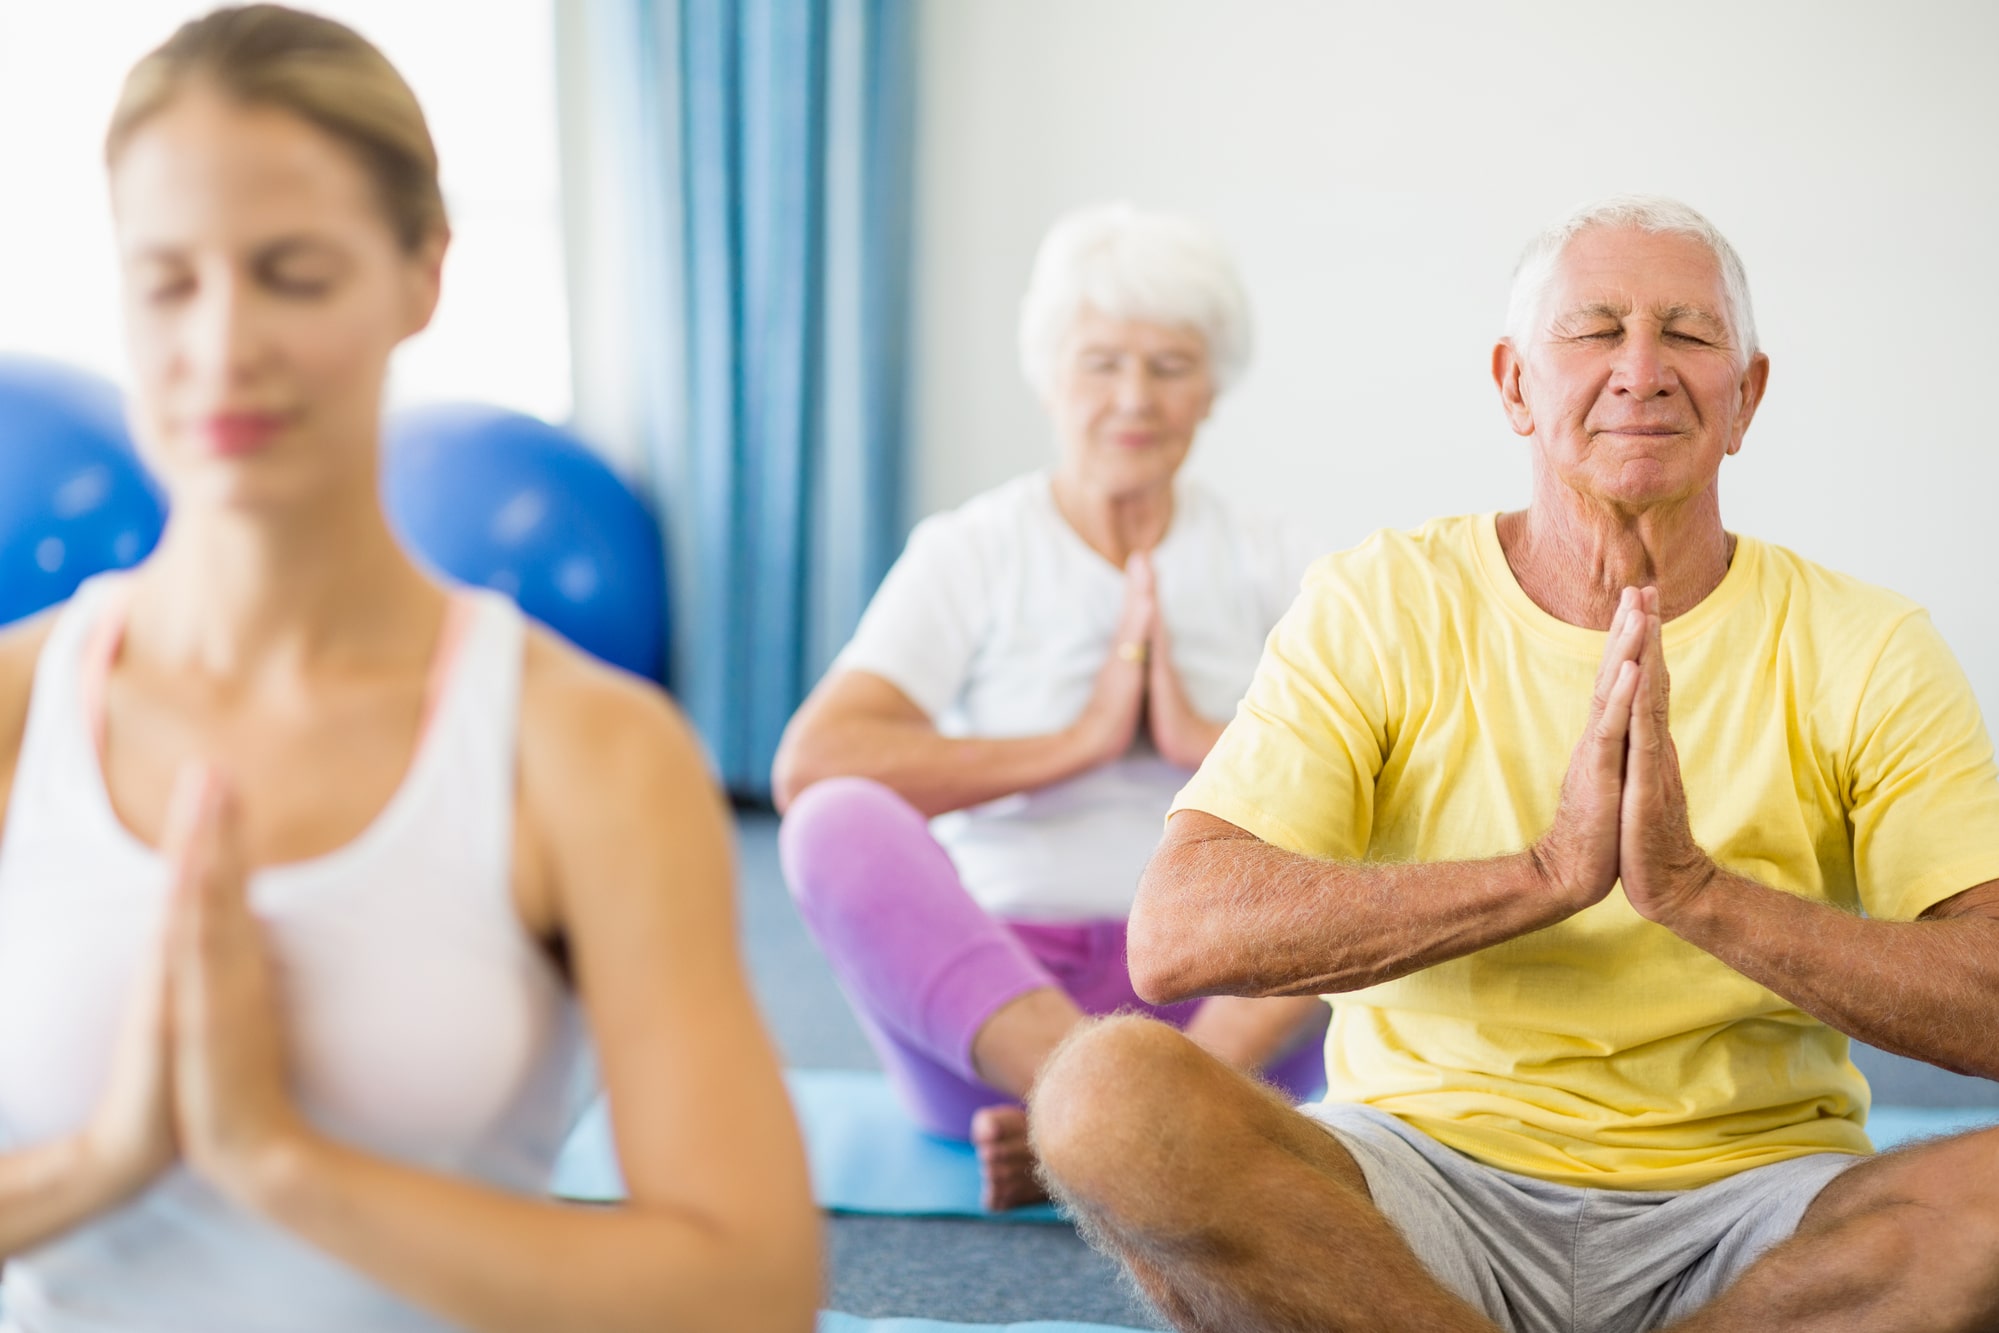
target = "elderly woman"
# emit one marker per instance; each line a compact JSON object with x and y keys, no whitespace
{"x":1036,"y":677}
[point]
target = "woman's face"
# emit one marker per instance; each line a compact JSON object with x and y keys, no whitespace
{"x":264,"y":290}
{"x":1127,"y":399}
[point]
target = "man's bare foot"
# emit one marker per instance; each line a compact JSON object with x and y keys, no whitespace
{"x":1006,"y":1162}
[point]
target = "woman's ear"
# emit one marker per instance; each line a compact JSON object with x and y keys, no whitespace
{"x":426,"y":280}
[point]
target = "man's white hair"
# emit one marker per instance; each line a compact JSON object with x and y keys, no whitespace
{"x":1156,"y":267}
{"x":1644,"y":212}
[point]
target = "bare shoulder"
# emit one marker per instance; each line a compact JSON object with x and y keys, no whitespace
{"x":593,"y":734}
{"x":631,"y":852}
{"x":20,"y":648}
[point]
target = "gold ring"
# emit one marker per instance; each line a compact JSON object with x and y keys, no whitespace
{"x":1133,"y":651}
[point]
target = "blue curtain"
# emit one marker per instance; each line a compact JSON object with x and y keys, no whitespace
{"x":764,"y":147}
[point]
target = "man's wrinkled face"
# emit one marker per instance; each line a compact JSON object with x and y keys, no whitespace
{"x":1633,"y":383}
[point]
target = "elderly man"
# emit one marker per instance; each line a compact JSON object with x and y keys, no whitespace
{"x":1589,"y":1057}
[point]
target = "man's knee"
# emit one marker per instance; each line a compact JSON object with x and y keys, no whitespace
{"x":1103,"y":1099}
{"x":1132,"y":1122}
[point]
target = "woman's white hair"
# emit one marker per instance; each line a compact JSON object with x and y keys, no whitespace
{"x":1644,"y":212}
{"x":1120,"y":262}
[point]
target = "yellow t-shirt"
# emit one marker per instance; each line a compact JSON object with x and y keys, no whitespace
{"x":1416,"y":705}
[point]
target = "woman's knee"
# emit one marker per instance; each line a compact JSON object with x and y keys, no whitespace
{"x":840,"y":825}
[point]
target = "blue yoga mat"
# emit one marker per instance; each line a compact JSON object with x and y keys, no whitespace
{"x":867,"y":1157}
{"x":866,"y":1154}
{"x":847,"y":1323}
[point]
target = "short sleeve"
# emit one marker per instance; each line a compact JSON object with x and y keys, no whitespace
{"x":1297,"y":764}
{"x":1923,"y":794}
{"x":928,"y":618}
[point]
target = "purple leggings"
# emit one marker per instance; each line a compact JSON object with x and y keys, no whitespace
{"x":924,"y":966}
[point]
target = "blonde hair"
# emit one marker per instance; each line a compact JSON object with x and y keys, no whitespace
{"x":321,"y":71}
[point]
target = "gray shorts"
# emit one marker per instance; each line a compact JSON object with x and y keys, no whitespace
{"x":1544,"y":1258}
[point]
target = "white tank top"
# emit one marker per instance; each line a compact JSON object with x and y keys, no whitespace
{"x":424,"y":1024}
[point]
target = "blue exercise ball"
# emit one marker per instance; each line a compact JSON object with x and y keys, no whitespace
{"x":74,"y":499}
{"x":502,"y":500}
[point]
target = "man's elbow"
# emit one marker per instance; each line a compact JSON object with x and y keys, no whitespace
{"x":1161,"y":949}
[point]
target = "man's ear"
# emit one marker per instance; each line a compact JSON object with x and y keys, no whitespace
{"x":1507,"y":371}
{"x":1755,"y":379}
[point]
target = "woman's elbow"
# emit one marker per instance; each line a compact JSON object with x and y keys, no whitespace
{"x":767,"y":1278}
{"x":794,"y":768}
{"x":762,"y":1300}
{"x":791,"y":1297}
{"x":784,"y":783}
{"x":794,"y":1270}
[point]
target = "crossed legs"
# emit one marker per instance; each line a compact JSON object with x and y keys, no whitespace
{"x":964,"y":1008}
{"x":1230,"y":1210}
{"x":1907,"y":1241}
{"x":1234,"y":1213}
{"x":1010,"y":1049}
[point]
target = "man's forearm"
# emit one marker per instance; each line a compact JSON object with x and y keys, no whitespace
{"x":1236,"y":916}
{"x":1927,"y":989}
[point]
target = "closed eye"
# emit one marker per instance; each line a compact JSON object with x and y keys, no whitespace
{"x":167,"y":290}
{"x":300,"y":287}
{"x":301,"y":268}
{"x":159,"y":280}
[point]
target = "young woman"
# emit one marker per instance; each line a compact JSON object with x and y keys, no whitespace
{"x":307,"y":860}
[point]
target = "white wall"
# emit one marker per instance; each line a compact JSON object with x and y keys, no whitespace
{"x":501,"y":333}
{"x":1377,"y":168}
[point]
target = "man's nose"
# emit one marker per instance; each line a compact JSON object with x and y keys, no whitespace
{"x":1641,"y":368}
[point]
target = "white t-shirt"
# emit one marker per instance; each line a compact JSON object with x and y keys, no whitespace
{"x":995,"y":622}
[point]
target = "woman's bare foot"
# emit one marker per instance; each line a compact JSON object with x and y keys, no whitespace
{"x":1006,"y":1162}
